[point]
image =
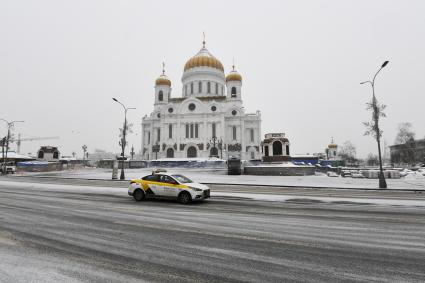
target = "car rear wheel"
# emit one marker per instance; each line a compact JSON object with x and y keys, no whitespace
{"x":185,"y":198}
{"x":138,"y":195}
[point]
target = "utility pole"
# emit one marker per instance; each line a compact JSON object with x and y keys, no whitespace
{"x":3,"y":142}
{"x":9,"y":126}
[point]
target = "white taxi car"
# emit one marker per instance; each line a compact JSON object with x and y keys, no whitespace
{"x":168,"y":185}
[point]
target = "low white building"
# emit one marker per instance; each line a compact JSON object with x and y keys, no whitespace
{"x":275,"y":148}
{"x":208,"y":119}
{"x":48,"y":153}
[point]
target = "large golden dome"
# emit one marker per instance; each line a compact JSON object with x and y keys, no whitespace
{"x":203,"y":59}
{"x":163,"y":80}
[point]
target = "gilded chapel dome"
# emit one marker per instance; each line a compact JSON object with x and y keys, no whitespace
{"x":332,"y":145}
{"x":163,"y":80}
{"x":233,"y":76}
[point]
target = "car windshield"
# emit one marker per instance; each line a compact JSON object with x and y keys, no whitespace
{"x":182,"y":179}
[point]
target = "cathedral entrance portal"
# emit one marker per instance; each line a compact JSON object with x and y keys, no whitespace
{"x":170,"y":153}
{"x":191,"y":152}
{"x":214,"y":152}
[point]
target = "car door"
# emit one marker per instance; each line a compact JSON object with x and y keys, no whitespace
{"x":171,"y":186}
{"x":154,"y":184}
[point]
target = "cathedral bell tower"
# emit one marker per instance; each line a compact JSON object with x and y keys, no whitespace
{"x":162,"y":88}
{"x":234,"y":85}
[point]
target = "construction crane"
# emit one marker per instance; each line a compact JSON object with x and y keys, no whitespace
{"x":19,"y":140}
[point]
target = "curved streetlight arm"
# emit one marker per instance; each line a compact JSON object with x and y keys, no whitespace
{"x":116,"y":100}
{"x":11,"y":123}
{"x":374,"y":77}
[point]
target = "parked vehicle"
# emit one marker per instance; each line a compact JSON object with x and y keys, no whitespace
{"x":9,"y":168}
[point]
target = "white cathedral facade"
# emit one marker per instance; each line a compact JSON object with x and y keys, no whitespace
{"x":207,"y":120}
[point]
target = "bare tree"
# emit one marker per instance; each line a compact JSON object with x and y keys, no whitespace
{"x":406,"y":138}
{"x":372,"y":159}
{"x":405,"y":133}
{"x":128,"y":130}
{"x":347,"y":152}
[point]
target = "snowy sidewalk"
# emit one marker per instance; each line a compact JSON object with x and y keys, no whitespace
{"x":220,"y":177}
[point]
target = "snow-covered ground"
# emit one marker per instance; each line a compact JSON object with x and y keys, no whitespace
{"x":412,"y":181}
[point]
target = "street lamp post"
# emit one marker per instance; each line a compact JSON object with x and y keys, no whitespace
{"x":220,"y":146}
{"x":214,"y":140}
{"x":9,"y":126}
{"x":377,"y":112}
{"x":124,"y":133}
{"x":84,"y":147}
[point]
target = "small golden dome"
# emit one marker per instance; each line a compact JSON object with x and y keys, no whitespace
{"x":163,"y":80}
{"x":332,"y":145}
{"x":233,"y":76}
{"x":203,"y":59}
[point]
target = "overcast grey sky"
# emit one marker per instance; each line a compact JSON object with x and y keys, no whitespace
{"x":301,"y":62}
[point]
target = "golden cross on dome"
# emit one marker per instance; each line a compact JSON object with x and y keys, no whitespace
{"x":163,"y":68}
{"x":233,"y":66}
{"x":203,"y":42}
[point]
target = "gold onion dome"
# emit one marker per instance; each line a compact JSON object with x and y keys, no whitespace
{"x":163,"y":80}
{"x":233,"y":76}
{"x":203,"y":59}
{"x":332,"y":145}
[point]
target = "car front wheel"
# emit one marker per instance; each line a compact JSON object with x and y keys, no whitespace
{"x":185,"y":198}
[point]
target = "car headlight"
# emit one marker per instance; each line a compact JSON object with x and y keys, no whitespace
{"x":195,"y":189}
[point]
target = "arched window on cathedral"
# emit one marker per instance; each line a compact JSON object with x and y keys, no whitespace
{"x":233,"y":91}
{"x":191,"y":88}
{"x":213,"y":130}
{"x":234,"y":132}
{"x":160,"y":95}
{"x":216,"y":88}
{"x":170,"y":131}
{"x":208,"y":87}
{"x":200,"y":87}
